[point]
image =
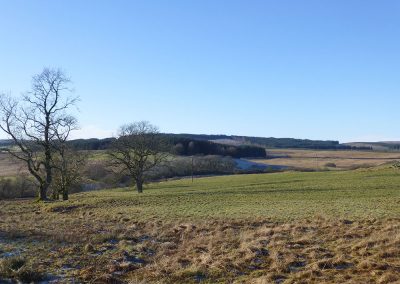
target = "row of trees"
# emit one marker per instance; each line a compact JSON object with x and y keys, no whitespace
{"x":272,"y":142}
{"x":40,"y":125}
{"x":189,"y":147}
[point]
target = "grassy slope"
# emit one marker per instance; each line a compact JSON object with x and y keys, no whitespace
{"x":293,"y":195}
{"x":264,"y":228}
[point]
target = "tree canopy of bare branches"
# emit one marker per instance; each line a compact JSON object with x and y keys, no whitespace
{"x":138,"y":149}
{"x":68,"y":166}
{"x":38,"y":122}
{"x":67,"y":162}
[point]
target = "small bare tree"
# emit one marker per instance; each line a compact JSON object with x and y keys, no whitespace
{"x":33,"y":123}
{"x":68,"y":163}
{"x":138,"y":150}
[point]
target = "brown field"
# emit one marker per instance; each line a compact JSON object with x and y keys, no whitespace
{"x":317,"y":159}
{"x":10,"y":167}
{"x":300,"y":159}
{"x":116,"y":249}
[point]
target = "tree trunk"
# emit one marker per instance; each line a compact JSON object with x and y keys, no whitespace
{"x":64,"y":186}
{"x":56,"y":194}
{"x":48,"y":159}
{"x":139,"y":186}
{"x":43,"y":192}
{"x":65,"y":194}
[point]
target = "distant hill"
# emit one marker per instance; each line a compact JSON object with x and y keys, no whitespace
{"x":231,"y":145}
{"x":187,"y":146}
{"x":271,"y":142}
{"x":91,"y":144}
{"x":377,"y":146}
{"x":5,"y":142}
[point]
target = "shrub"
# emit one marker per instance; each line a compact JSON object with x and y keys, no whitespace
{"x":96,"y":171}
{"x":362,"y":166}
{"x":396,"y":165}
{"x":18,"y":187}
{"x":330,"y":165}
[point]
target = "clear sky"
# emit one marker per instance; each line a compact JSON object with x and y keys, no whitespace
{"x":303,"y":69}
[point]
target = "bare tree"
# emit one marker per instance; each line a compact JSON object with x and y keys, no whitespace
{"x":138,"y":150}
{"x":33,"y":123}
{"x":68,"y":163}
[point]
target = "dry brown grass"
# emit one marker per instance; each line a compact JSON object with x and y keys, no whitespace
{"x":80,"y":243}
{"x":310,"y":251}
{"x":10,"y":167}
{"x":315,"y":159}
{"x":292,"y":227}
{"x":302,"y":159}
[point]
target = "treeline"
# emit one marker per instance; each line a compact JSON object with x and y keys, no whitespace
{"x":188,"y":147}
{"x":394,"y":146}
{"x":180,"y":146}
{"x":4,"y":144}
{"x":242,"y":146}
{"x":387,"y":145}
{"x":277,"y":142}
{"x":91,"y":144}
{"x":77,"y":144}
{"x":302,"y":143}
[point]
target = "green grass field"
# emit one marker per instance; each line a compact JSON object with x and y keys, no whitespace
{"x":291,"y":227}
{"x":365,"y":193}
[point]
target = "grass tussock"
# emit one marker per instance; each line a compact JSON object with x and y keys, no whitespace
{"x":17,"y":268}
{"x":309,"y":251}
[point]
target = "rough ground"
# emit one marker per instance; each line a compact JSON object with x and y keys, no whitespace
{"x":241,"y":229}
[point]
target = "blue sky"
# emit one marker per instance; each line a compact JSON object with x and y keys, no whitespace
{"x":303,"y":69}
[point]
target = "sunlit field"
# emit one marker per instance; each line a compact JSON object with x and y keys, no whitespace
{"x":292,"y":227}
{"x":325,"y":159}
{"x":169,"y":142}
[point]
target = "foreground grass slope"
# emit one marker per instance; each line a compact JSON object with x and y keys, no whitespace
{"x":324,"y":227}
